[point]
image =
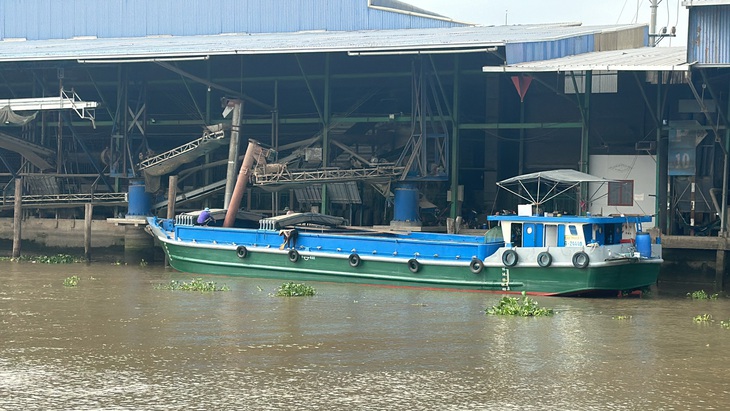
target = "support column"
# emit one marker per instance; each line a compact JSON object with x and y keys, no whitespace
{"x":232,"y":151}
{"x":661,"y":159}
{"x":585,"y":134}
{"x":171,"y":200}
{"x":454,"y":161}
{"x":720,"y":256}
{"x":88,"y":212}
{"x":326,"y":133}
{"x":17,"y":217}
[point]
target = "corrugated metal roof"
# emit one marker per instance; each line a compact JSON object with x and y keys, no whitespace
{"x":406,"y":40}
{"x":66,"y":19}
{"x":640,"y":59}
{"x":693,"y":3}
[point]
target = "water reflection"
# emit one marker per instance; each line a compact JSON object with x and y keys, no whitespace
{"x":116,"y":342}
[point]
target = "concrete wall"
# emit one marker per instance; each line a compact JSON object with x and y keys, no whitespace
{"x":639,"y":168}
{"x":64,"y":233}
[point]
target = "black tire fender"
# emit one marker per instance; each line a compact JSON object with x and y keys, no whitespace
{"x":476,"y":265}
{"x":241,"y":251}
{"x":353,"y":260}
{"x":414,"y":265}
{"x":581,"y":260}
{"x":293,"y":255}
{"x":509,"y":258}
{"x":544,"y":259}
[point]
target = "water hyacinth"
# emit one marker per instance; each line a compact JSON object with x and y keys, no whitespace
{"x":196,"y":284}
{"x":72,"y":281}
{"x":701,"y":295}
{"x":523,"y":307}
{"x":295,"y":290}
{"x":47,"y":259}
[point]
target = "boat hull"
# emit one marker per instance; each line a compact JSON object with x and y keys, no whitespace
{"x":267,"y":261}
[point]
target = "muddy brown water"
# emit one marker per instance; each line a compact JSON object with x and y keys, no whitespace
{"x":115,"y":342}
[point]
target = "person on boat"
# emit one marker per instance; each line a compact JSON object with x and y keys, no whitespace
{"x":205,"y":217}
{"x":288,"y":211}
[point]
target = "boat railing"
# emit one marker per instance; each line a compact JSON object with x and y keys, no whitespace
{"x":185,"y":219}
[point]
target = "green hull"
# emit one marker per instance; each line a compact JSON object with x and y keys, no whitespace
{"x":276,"y":264}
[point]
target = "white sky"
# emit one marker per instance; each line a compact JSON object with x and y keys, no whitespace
{"x":589,"y":12}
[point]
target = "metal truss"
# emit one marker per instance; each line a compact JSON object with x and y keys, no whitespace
{"x":185,"y":148}
{"x":56,"y":200}
{"x":284,"y":176}
{"x":67,"y":100}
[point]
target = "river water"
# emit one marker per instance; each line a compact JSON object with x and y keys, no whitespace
{"x":115,"y":342}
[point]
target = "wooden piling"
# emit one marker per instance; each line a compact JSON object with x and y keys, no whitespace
{"x":17,"y":216}
{"x":88,"y":211}
{"x":171,"y":198}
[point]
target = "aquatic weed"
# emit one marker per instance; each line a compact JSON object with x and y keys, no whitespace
{"x":46,"y":259}
{"x":291,"y":289}
{"x":72,"y":281}
{"x":196,"y":284}
{"x":702,"y":318}
{"x":523,"y":307}
{"x":702,"y":295}
{"x":621,"y":317}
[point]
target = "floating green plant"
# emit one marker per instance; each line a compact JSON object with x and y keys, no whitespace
{"x":725,"y":324}
{"x":143,"y":263}
{"x":621,"y":317}
{"x":524,"y":307}
{"x":702,"y":295}
{"x":72,"y":281}
{"x":702,"y":318}
{"x":46,"y":259}
{"x":196,"y":284}
{"x":295,"y":290}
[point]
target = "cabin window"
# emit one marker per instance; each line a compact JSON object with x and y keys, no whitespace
{"x":621,"y":193}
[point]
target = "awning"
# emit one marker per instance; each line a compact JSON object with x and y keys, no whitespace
{"x":557,"y":182}
{"x":639,"y":59}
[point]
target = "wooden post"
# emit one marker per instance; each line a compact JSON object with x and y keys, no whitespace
{"x":88,"y":211}
{"x":17,"y":216}
{"x":720,"y":257}
{"x":171,"y":198}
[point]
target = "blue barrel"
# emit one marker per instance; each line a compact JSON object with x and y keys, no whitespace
{"x":406,"y":203}
{"x":643,"y":244}
{"x":140,"y":201}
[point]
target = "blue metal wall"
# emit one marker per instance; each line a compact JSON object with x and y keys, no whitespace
{"x":63,"y":19}
{"x":550,"y":49}
{"x":708,"y":39}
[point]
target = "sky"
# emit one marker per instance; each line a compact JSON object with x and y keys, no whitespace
{"x":589,"y":12}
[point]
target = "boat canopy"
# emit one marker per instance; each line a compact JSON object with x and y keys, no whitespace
{"x":557,"y":182}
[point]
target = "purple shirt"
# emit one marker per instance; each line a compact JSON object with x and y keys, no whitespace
{"x":204,"y":217}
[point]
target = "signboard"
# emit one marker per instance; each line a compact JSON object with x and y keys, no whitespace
{"x":683,"y":151}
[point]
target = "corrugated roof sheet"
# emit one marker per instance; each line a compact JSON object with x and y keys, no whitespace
{"x":693,"y":3}
{"x":640,"y":59}
{"x":709,"y":36}
{"x":413,"y":40}
{"x":66,"y":19}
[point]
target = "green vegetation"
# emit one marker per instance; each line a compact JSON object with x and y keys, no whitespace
{"x":295,"y":290}
{"x":143,"y":263}
{"x":621,"y":317}
{"x":701,"y":295}
{"x":46,"y":259}
{"x":524,"y":307}
{"x":196,"y":284}
{"x":72,"y":281}
{"x":725,"y":324}
{"x":702,"y":318}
